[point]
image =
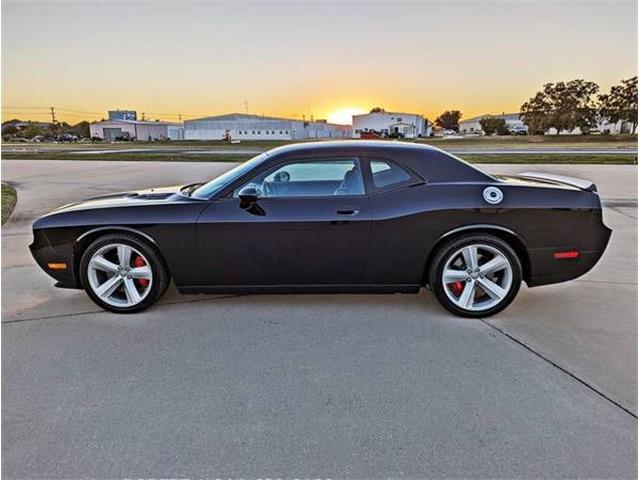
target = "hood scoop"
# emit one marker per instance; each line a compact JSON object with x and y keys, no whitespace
{"x":150,"y":195}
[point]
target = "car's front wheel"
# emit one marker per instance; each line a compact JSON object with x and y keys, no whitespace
{"x":475,"y":275}
{"x":122,"y":273}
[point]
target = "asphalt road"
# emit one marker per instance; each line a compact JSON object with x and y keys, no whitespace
{"x":310,"y":385}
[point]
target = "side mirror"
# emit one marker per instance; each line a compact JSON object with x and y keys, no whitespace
{"x":248,"y":196}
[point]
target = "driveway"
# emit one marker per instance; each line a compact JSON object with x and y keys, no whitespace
{"x":309,"y":385}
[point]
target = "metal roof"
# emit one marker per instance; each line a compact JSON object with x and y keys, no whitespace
{"x":241,"y":116}
{"x":388,"y":113}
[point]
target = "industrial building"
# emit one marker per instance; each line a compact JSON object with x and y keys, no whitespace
{"x":515,"y":125}
{"x":602,"y":126}
{"x":513,"y":122}
{"x":240,"y":126}
{"x":112,"y":130}
{"x":390,"y":124}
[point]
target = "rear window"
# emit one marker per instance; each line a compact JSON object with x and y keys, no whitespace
{"x":386,"y":173}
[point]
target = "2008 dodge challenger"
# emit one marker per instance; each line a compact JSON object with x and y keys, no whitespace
{"x":349,"y":216}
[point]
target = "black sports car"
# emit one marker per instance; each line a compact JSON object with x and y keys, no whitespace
{"x":349,"y":216}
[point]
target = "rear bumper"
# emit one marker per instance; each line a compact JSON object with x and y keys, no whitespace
{"x":546,"y":269}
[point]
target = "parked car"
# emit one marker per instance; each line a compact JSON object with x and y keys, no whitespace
{"x":518,"y":130}
{"x":395,"y":135}
{"x":351,"y":216}
{"x":67,"y":137}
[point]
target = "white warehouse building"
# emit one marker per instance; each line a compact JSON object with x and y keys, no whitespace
{"x":240,"y":126}
{"x":408,"y":125}
{"x":515,"y":124}
{"x":112,"y":130}
{"x":512,"y":121}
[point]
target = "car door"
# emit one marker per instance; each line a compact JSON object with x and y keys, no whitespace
{"x":309,"y":226}
{"x":399,"y":230}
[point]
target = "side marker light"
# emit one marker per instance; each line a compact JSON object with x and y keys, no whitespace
{"x":565,"y":255}
{"x":57,"y":266}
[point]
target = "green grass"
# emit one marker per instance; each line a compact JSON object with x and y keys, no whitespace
{"x":608,"y":141}
{"x":139,"y":157}
{"x":9,"y":198}
{"x":552,"y":158}
{"x":622,"y":159}
{"x":537,"y":141}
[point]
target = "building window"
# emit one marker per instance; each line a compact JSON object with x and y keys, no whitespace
{"x":280,"y":132}
{"x":253,"y":132}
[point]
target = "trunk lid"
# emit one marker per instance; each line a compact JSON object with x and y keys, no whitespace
{"x":564,"y":180}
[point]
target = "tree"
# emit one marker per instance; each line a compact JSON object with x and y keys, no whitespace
{"x":81,"y":130}
{"x":449,"y":120}
{"x":10,"y":129}
{"x":621,"y":103}
{"x":491,"y":125}
{"x":563,"y":106}
{"x":377,"y":110}
{"x":32,"y":130}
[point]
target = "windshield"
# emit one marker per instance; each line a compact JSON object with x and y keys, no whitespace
{"x":218,"y":183}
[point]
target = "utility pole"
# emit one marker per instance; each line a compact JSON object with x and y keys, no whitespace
{"x":246,"y":107}
{"x":53,"y":115}
{"x":179,"y":118}
{"x":143,"y":116}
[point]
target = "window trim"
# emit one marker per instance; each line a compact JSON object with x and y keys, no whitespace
{"x":414,"y":179}
{"x":359,"y":160}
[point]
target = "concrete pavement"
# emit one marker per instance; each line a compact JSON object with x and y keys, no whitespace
{"x":330,"y":386}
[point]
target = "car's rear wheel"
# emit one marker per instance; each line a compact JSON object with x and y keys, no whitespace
{"x":475,"y":275}
{"x":122,"y":273}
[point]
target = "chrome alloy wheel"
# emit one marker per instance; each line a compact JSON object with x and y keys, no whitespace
{"x":477,"y":277}
{"x":120,"y":275}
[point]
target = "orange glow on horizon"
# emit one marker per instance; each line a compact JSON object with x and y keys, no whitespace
{"x":342,"y":116}
{"x":345,"y":58}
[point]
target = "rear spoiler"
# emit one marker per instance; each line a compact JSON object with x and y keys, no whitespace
{"x":574,"y":182}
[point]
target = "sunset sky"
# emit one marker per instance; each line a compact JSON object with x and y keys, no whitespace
{"x":293,"y":58}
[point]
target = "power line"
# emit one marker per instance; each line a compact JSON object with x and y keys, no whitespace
{"x":79,"y":111}
{"x":24,"y":107}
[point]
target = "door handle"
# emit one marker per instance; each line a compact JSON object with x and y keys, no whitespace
{"x":347,"y":211}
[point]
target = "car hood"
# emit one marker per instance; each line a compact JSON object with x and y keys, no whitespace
{"x":126,"y":199}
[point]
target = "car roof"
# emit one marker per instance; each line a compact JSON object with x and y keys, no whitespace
{"x":347,"y":144}
{"x":429,"y":162}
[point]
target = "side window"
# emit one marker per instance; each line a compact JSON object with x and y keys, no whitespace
{"x":316,"y":178}
{"x":386,"y":173}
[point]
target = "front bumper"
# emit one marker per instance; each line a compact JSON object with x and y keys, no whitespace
{"x":44,"y":253}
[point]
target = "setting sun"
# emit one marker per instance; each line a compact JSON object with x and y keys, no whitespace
{"x":343,"y":116}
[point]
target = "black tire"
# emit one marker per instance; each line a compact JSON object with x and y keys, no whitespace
{"x":448,"y":249}
{"x":161,"y":277}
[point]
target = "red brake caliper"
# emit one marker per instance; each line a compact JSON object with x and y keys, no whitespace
{"x":139,"y":262}
{"x":457,"y":287}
